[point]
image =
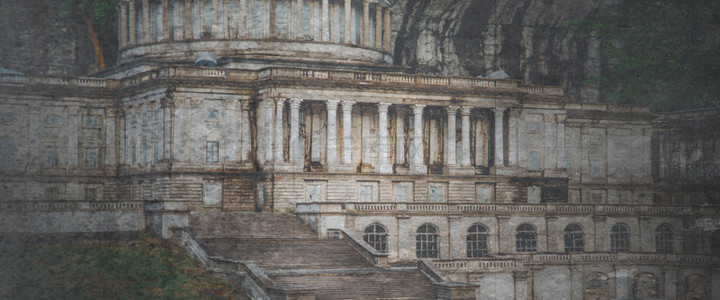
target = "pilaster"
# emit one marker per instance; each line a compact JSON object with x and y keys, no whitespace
{"x":384,"y":166}
{"x":418,"y":162}
{"x":331,"y":146}
{"x":347,"y":133}
{"x":499,"y":131}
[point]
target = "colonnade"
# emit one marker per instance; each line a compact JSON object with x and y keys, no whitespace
{"x":147,"y":21}
{"x":272,"y":127}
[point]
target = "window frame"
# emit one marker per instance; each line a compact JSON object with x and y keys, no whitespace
{"x":426,"y":241}
{"x":664,"y":239}
{"x":620,"y":238}
{"x":525,"y":238}
{"x":574,"y":238}
{"x":476,"y":241}
{"x":376,"y":236}
{"x":212,"y":151}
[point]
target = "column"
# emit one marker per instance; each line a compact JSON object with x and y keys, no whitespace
{"x":267,"y":127}
{"x":451,"y":138}
{"x":230,"y":127}
{"x":245,"y":134}
{"x":122,"y":26}
{"x":224,"y":19}
{"x":165,"y":20}
{"x":295,"y":155}
{"x":325,"y":24}
{"x":131,"y":21}
{"x":278,"y":133}
{"x":387,"y":32}
{"x":34,"y":124}
{"x":550,"y":138}
{"x":499,"y":159}
{"x":110,"y":136}
{"x":378,"y":26}
{"x":216,"y":19}
{"x":331,"y":146}
{"x":418,"y":165}
{"x":365,"y":23}
{"x":465,"y":113}
{"x":348,"y":22}
{"x":147,"y":34}
{"x":188,"y":20}
{"x":384,"y":166}
{"x":167,"y":125}
{"x":512,"y":138}
{"x":300,"y":29}
{"x":242,"y":28}
{"x":560,"y":119}
{"x":72,"y":127}
{"x":347,"y":132}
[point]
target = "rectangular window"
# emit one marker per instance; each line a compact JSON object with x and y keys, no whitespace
{"x":213,"y":114}
{"x":211,"y":193}
{"x":156,"y":156}
{"x":52,"y":157}
{"x":146,"y":151}
{"x":534,"y":161}
{"x":367,"y":191}
{"x":534,"y":195}
{"x":436,"y":192}
{"x":91,"y":157}
{"x":483,"y":193}
{"x":402,"y":191}
{"x":91,"y":121}
{"x":211,"y":151}
{"x":91,"y":194}
{"x":52,"y":194}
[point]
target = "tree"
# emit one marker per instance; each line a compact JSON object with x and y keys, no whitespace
{"x":94,"y":12}
{"x":661,"y":53}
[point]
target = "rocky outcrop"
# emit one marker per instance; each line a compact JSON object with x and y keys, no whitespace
{"x":529,"y":39}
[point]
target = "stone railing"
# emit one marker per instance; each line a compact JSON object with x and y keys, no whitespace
{"x":347,"y":207}
{"x":29,"y":206}
{"x":521,"y":260}
{"x":59,"y":81}
{"x":352,"y":76}
{"x":607,"y":107}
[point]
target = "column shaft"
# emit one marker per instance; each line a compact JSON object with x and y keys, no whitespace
{"x":365,"y":23}
{"x":122,"y":26}
{"x":295,"y":130}
{"x":245,"y":134}
{"x":188,"y":20}
{"x":348,"y":21}
{"x":325,"y":25}
{"x":147,"y":34}
{"x":451,"y":151}
{"x":72,"y":127}
{"x":165,"y":20}
{"x":243,"y":32}
{"x":347,"y":132}
{"x":560,"y":119}
{"x":216,"y":19}
{"x":300,"y":28}
{"x":378,"y":26}
{"x":331,"y":146}
{"x":418,"y":165}
{"x":132,"y":30}
{"x":387,"y":32}
{"x":279,"y":132}
{"x":499,"y":158}
{"x":383,"y":142}
{"x":512,"y":138}
{"x":465,"y":113}
{"x":268,"y":128}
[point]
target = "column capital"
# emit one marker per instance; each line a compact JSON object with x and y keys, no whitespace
{"x":295,"y":103}
{"x":34,"y":108}
{"x":166,"y":102}
{"x":279,"y":100}
{"x":195,"y":102}
{"x":465,"y":111}
{"x":347,"y":105}
{"x":452,"y":109}
{"x":560,"y":118}
{"x":383,"y":107}
{"x":499,"y":109}
{"x":332,"y":104}
{"x":418,"y":109}
{"x":110,"y":112}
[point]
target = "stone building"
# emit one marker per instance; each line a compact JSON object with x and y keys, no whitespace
{"x":295,"y":106}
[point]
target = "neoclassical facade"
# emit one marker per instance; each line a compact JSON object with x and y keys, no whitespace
{"x":513,"y":187}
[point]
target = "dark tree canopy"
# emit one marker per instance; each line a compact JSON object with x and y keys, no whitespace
{"x":660,"y":53}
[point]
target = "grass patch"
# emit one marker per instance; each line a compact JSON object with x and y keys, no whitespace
{"x":150,"y":268}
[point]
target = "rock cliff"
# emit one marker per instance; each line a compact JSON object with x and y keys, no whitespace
{"x":529,"y":39}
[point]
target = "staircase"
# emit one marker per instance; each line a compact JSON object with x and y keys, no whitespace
{"x":291,"y":256}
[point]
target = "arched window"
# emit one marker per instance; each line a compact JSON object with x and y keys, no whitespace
{"x":256,"y":10}
{"x":477,"y":241}
{"x":7,"y":151}
{"x":525,"y":238}
{"x":664,"y":239}
{"x":281,"y":19}
{"x":376,"y":236}
{"x":426,"y":241}
{"x":306,"y":20}
{"x":620,"y":238}
{"x":574,"y":238}
{"x":233,"y":18}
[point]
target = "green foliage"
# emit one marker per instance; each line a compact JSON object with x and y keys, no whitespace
{"x":660,"y":53}
{"x":100,"y":10}
{"x":150,"y":269}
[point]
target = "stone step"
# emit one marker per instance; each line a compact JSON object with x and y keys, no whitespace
{"x":364,"y":285}
{"x":248,"y":225}
{"x":273,"y":254}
